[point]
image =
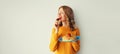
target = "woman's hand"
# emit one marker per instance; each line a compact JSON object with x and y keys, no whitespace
{"x":57,"y":22}
{"x":56,"y":26}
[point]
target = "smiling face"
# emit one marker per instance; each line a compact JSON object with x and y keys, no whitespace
{"x":62,"y":15}
{"x":66,"y":14}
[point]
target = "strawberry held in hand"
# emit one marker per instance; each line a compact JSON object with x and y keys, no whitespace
{"x":58,"y":19}
{"x":58,"y":22}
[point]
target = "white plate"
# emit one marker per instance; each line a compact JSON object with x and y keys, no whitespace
{"x":77,"y":38}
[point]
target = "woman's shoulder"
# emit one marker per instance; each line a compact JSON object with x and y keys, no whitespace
{"x":60,"y":28}
{"x":76,"y":27}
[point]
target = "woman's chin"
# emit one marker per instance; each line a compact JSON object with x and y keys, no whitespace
{"x":63,"y":20}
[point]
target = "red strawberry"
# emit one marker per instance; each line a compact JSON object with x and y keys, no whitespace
{"x":58,"y":19}
{"x":69,"y":34}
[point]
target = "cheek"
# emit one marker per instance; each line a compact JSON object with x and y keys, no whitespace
{"x":62,"y":15}
{"x":63,"y":18}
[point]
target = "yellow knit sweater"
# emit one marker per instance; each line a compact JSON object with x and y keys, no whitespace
{"x":64,"y":47}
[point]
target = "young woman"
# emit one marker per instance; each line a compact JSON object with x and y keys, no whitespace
{"x":65,"y":27}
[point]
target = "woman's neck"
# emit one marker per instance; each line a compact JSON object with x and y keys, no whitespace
{"x":65,"y":24}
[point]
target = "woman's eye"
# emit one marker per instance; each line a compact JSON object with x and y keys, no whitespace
{"x":59,"y":13}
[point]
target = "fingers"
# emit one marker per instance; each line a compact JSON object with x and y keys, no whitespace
{"x":56,"y":24}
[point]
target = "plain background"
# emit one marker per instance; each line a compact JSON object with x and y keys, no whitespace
{"x":25,"y":25}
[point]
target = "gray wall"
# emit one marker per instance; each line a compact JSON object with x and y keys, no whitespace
{"x":25,"y":25}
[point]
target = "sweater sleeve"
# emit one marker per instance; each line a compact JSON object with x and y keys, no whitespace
{"x":54,"y":40}
{"x":76,"y":45}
